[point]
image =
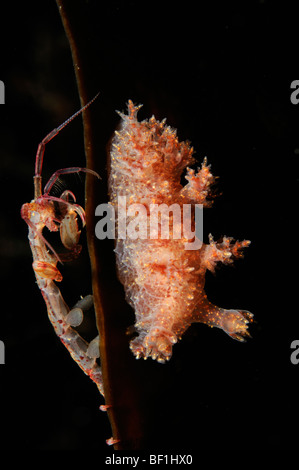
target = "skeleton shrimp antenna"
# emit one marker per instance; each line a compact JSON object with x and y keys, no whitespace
{"x":41,"y":148}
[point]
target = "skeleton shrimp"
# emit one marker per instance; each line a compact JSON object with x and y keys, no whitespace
{"x":40,"y":213}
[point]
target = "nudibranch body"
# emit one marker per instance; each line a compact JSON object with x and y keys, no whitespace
{"x":164,"y":281}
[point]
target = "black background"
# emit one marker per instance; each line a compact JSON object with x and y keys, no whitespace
{"x":221,"y":76}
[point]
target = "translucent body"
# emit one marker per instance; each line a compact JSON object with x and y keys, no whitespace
{"x":38,"y":214}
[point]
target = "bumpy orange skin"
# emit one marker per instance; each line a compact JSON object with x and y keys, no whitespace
{"x":163,"y":281}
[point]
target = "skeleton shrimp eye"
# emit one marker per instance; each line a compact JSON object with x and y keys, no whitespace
{"x":34,"y":217}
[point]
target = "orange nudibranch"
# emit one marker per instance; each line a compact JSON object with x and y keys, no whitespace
{"x":164,"y":281}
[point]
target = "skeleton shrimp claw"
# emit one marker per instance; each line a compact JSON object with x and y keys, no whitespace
{"x":41,"y":213}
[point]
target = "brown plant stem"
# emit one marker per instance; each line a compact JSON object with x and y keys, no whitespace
{"x":118,"y":365}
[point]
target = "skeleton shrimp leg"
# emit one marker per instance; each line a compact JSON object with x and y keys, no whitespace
{"x":41,"y":213}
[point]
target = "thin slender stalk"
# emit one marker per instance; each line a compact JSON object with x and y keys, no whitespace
{"x":118,"y":364}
